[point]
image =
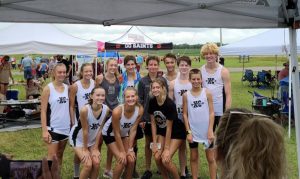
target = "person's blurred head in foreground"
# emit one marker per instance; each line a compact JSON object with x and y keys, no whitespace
{"x":250,"y":146}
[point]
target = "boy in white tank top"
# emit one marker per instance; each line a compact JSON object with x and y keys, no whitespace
{"x":176,"y":89}
{"x":199,"y":129}
{"x":215,"y":77}
{"x":170,"y":63}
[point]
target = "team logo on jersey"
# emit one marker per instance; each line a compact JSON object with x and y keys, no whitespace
{"x":181,"y":92}
{"x":211,"y":81}
{"x":126,"y":125}
{"x":111,"y":90}
{"x":62,"y":100}
{"x":197,"y":104}
{"x":86,"y":96}
{"x":160,"y":119}
{"x":94,"y":126}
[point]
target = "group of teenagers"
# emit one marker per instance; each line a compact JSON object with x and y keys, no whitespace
{"x":167,"y":110}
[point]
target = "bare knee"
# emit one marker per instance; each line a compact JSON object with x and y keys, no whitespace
{"x":87,"y":165}
{"x":130,"y":160}
{"x":96,"y":163}
{"x":157,"y":158}
{"x":211,"y":159}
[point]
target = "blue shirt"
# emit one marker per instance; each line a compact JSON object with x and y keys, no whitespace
{"x":27,"y":62}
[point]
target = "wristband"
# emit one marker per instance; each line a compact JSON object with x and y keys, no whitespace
{"x":188,"y":132}
{"x":130,"y":149}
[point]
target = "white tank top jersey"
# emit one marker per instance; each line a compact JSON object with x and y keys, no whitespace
{"x":198,"y":115}
{"x":82,"y":97}
{"x":215,"y":84}
{"x":125,"y":124}
{"x":58,"y":116}
{"x":169,"y":81}
{"x":179,"y":90}
{"x":94,"y":123}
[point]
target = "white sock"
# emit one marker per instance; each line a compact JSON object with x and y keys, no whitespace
{"x":76,"y":169}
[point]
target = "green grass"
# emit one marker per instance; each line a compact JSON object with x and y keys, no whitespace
{"x":28,"y":144}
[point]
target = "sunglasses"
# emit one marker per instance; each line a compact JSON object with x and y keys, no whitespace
{"x":240,"y":113}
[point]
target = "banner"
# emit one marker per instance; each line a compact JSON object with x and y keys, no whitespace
{"x":138,"y":46}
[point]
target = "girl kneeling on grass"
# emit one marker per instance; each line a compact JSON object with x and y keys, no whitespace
{"x":198,"y":101}
{"x":120,"y":130}
{"x":167,"y":132}
{"x":85,"y":135}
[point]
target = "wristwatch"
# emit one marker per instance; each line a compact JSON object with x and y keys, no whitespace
{"x":188,"y":132}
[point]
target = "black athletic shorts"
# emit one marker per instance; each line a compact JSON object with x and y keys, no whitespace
{"x":57,"y":137}
{"x":194,"y":145}
{"x":147,"y":129}
{"x":178,"y":130}
{"x":216,"y":123}
{"x":139,"y":133}
{"x":108,"y":139}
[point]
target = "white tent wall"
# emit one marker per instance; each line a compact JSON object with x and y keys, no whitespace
{"x":271,"y":42}
{"x":168,"y":13}
{"x":42,"y":39}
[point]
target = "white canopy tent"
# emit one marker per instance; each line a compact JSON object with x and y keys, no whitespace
{"x":264,"y":44}
{"x":42,"y":39}
{"x":271,"y":42}
{"x":169,"y":13}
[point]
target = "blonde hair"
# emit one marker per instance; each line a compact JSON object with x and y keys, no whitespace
{"x":163,"y":93}
{"x":209,"y":48}
{"x":250,"y":147}
{"x":136,"y":93}
{"x":54,"y":69}
{"x":110,"y":60}
{"x":82,"y":68}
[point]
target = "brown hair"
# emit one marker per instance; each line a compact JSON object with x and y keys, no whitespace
{"x":194,"y":71}
{"x":250,"y":146}
{"x":90,"y":100}
{"x":128,"y":58}
{"x":184,"y":59}
{"x":152,"y":58}
{"x":169,"y":55}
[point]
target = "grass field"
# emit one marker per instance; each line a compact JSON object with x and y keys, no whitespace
{"x":28,"y":144}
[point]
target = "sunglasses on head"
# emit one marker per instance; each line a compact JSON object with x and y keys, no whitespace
{"x":251,"y":114}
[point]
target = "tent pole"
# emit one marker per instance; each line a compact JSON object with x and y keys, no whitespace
{"x":295,"y":81}
{"x":276,"y":81}
{"x":290,"y":96}
{"x":96,"y":66}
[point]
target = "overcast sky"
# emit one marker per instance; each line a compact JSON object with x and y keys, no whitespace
{"x":158,"y":34}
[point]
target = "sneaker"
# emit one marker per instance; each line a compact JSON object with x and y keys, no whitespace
{"x":158,"y":172}
{"x":135,"y":174}
{"x":107,"y":174}
{"x":147,"y":175}
{"x":183,"y":177}
{"x":187,"y":173}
